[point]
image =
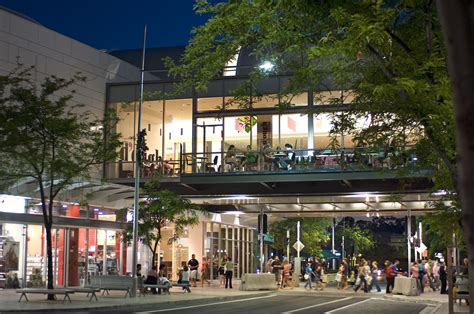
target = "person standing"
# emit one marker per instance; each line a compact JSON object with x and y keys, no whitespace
{"x":443,"y":277}
{"x":308,"y":275}
{"x":228,"y":273}
{"x":390,"y":276}
{"x":276,"y":268}
{"x":375,"y":273}
{"x":205,"y":273}
{"x":193,"y":265}
{"x":435,"y":271}
{"x":364,"y":270}
{"x":222,"y":271}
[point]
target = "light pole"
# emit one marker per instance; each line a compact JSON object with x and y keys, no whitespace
{"x":136,"y":194}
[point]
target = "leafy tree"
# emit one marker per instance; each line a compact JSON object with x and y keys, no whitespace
{"x":160,"y":208}
{"x":314,"y":233}
{"x":357,"y":241}
{"x":44,"y":137}
{"x":387,"y":57}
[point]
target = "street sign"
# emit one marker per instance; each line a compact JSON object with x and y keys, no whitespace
{"x":298,"y":246}
{"x":422,"y":248}
{"x":268,"y":238}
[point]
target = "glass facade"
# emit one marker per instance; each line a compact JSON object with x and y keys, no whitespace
{"x":236,"y":242}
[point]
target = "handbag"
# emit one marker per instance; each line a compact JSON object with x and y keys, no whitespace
{"x":306,"y":276}
{"x":368,"y":279}
{"x":357,"y":283}
{"x":338,"y":277}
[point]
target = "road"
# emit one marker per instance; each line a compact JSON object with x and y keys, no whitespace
{"x":286,"y":304}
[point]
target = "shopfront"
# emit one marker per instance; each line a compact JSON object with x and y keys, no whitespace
{"x":79,"y":251}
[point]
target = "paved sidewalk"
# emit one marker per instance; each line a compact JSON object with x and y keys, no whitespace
{"x":9,"y":299}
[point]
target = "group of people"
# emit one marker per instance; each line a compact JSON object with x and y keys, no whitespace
{"x":189,"y":272}
{"x":282,"y":271}
{"x":278,"y":159}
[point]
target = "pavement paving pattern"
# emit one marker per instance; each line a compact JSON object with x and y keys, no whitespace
{"x":285,"y":304}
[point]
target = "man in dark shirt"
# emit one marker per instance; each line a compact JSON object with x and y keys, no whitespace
{"x":276,"y":265}
{"x":193,"y":265}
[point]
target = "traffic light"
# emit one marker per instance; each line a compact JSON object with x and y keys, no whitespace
{"x":265,"y":227}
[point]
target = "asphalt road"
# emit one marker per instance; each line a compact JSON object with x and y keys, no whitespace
{"x":281,"y":303}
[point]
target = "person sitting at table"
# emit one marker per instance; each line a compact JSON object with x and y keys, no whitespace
{"x":287,"y":161}
{"x":230,"y":160}
{"x":268,"y":157}
{"x":250,"y":160}
{"x":164,"y":166}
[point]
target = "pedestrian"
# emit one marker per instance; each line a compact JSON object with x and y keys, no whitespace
{"x":345,"y":274}
{"x":465,"y":267}
{"x":375,"y":273}
{"x":421,"y":275}
{"x":228,"y":273}
{"x":389,"y":276}
{"x":222,"y":271}
{"x":286,"y":278}
{"x":364,"y":271}
{"x":318,"y":275}
{"x":205,"y":273}
{"x":415,"y":273}
{"x":443,"y":276}
{"x":193,"y":265}
{"x":185,"y":274}
{"x":435,"y":270}
{"x":276,"y":268}
{"x":308,"y":275}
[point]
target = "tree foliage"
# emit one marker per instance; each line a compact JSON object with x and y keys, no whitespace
{"x":46,"y":138}
{"x":387,"y":58}
{"x":159,"y":209}
{"x":314,"y":233}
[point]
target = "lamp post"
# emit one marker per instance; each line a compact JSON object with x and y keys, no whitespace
{"x":136,"y":194}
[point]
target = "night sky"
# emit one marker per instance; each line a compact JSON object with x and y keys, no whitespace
{"x":114,"y":24}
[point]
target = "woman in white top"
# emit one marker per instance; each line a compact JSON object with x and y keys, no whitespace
{"x":364,"y":271}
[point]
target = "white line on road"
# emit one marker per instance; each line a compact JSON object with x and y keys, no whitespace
{"x":316,"y":305}
{"x":207,"y":304}
{"x":345,"y":307}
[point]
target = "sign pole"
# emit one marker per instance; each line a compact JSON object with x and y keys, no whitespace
{"x":298,"y":236}
{"x":261,"y":240}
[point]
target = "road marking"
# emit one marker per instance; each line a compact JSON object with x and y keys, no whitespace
{"x":207,"y":304}
{"x":345,"y":307}
{"x":316,"y":305}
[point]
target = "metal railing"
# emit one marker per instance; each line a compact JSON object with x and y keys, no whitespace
{"x":270,"y":160}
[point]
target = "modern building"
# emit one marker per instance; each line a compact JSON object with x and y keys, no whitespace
{"x":190,"y":141}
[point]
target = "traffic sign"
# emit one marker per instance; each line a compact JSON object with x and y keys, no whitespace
{"x":298,"y":246}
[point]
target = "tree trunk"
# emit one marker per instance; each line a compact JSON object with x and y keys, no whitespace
{"x":457,"y":20}
{"x":49,"y":259}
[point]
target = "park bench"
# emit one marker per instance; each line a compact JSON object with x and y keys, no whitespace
{"x":89,"y":290}
{"x":109,"y":283}
{"x":26,"y":291}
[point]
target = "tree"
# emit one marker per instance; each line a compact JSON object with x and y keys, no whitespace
{"x":356,"y":240}
{"x":458,"y":18}
{"x":387,"y":57}
{"x":46,"y":138}
{"x":160,"y":208}
{"x":314,"y":233}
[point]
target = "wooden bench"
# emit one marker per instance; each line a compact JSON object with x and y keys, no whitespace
{"x":26,"y":291}
{"x":108,"y":283}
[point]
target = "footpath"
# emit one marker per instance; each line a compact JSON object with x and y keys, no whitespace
{"x":438,"y":303}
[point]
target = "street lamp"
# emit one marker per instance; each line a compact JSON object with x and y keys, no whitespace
{"x":138,"y":157}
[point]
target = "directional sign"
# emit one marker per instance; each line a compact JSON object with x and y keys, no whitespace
{"x":422,"y":248}
{"x":298,"y":246}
